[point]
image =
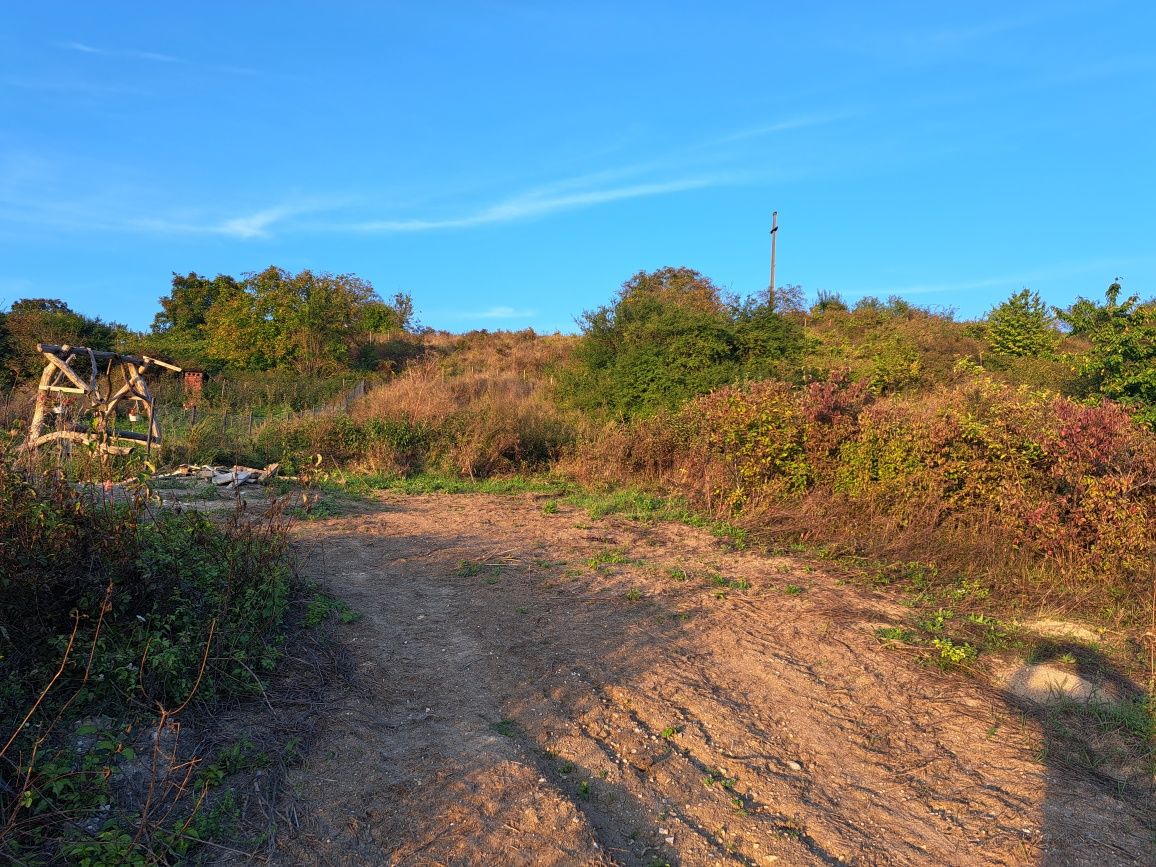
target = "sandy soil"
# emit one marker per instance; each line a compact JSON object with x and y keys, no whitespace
{"x":514,"y":704}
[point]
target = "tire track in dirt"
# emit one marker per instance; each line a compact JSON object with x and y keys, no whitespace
{"x":533,"y":708}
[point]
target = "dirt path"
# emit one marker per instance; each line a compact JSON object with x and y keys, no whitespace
{"x":528,"y":708}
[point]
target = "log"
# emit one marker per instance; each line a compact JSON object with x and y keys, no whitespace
{"x":98,"y":353}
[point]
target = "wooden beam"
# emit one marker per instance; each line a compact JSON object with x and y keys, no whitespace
{"x":63,"y":388}
{"x":67,"y":371}
{"x":102,"y":354}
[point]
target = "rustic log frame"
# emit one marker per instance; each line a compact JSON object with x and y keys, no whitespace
{"x":103,"y":431}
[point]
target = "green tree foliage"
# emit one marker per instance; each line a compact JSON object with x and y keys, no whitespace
{"x":1023,"y":325}
{"x":671,"y":335}
{"x":379,"y":317}
{"x":1121,"y":361}
{"x":50,"y":320}
{"x":309,"y":322}
{"x":179,"y":329}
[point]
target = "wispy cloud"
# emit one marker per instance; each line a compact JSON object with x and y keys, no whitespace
{"x":149,"y":56}
{"x":789,"y":124}
{"x":85,"y":48}
{"x":537,"y":203}
{"x":257,"y":224}
{"x":1013,"y":282}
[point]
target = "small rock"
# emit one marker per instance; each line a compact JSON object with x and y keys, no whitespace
{"x":794,"y":766}
{"x":1045,"y":683}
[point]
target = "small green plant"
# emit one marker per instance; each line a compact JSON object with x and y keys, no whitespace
{"x":468,"y":568}
{"x":550,"y":507}
{"x":633,"y":594}
{"x":952,"y":655}
{"x":670,"y":731}
{"x":566,"y":768}
{"x":607,"y":556}
{"x":719,"y":778}
{"x":937,"y":621}
{"x":507,"y":728}
{"x":896,"y":633}
{"x":584,"y":790}
{"x":793,"y":589}
{"x":677,"y":574}
{"x":322,"y":605}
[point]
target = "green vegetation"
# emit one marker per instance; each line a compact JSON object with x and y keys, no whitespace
{"x":309,"y":323}
{"x":669,"y":336}
{"x":115,"y":621}
{"x":987,"y":469}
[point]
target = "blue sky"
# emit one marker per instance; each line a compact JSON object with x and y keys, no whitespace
{"x":510,"y":164}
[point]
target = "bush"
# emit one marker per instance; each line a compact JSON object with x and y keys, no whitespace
{"x":980,"y":479}
{"x":111,"y":610}
{"x":668,"y":337}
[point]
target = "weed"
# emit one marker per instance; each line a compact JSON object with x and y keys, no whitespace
{"x":670,"y":731}
{"x":936,"y":621}
{"x":507,"y":728}
{"x":896,"y":633}
{"x":566,"y":768}
{"x":952,"y":655}
{"x":605,"y":557}
{"x":322,"y":605}
{"x":550,"y":507}
{"x":677,"y":574}
{"x":719,"y":778}
{"x":633,"y":594}
{"x":584,"y":790}
{"x":793,"y":589}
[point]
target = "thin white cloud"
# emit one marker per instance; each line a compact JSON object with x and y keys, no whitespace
{"x":85,"y":48}
{"x":150,"y":56}
{"x":244,"y":227}
{"x":789,"y":124}
{"x":537,"y":203}
{"x":1013,"y":282}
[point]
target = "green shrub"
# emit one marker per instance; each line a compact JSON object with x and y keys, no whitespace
{"x":113,"y":610}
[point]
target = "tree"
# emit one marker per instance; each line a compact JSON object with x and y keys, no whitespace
{"x":50,"y":320}
{"x":307,"y":321}
{"x":1121,"y":360}
{"x":671,"y":335}
{"x":378,"y":317}
{"x":1023,"y":325}
{"x":179,"y":329}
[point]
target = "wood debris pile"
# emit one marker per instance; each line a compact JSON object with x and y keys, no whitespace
{"x":228,"y":478}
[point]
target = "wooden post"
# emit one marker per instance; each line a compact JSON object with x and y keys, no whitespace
{"x":774,"y":234}
{"x":193,"y":421}
{"x":250,"y":422}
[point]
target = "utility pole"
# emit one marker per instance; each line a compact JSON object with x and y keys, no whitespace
{"x":774,"y":232}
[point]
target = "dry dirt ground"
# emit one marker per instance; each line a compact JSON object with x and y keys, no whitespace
{"x":516,"y":701}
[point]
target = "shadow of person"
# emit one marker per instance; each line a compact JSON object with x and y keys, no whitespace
{"x":1097,"y":748}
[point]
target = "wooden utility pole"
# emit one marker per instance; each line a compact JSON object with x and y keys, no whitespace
{"x":774,"y":232}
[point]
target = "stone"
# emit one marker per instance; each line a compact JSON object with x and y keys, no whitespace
{"x":1045,"y":684}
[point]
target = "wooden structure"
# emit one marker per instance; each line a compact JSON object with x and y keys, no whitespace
{"x":105,"y":381}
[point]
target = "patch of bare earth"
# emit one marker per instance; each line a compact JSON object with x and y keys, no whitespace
{"x":531,"y":708}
